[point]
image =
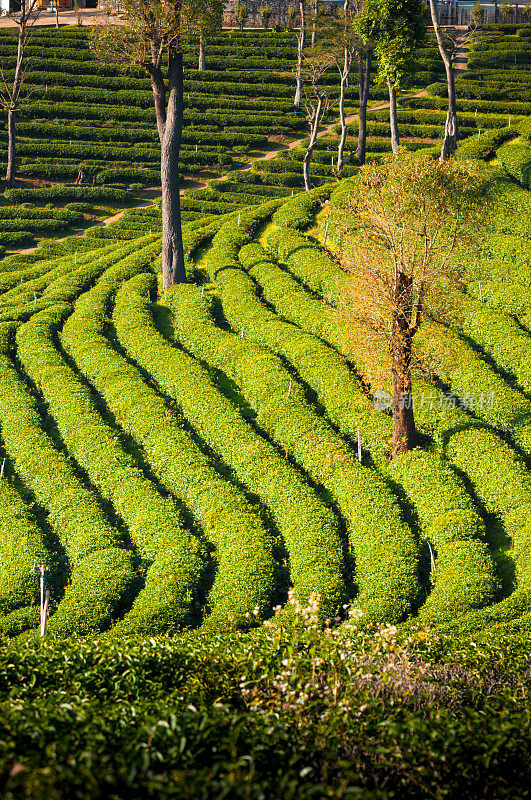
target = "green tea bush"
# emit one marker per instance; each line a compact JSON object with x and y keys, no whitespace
{"x":516,"y":160}
{"x":245,"y":569}
{"x":386,"y":586}
{"x":309,"y":262}
{"x":463,"y":577}
{"x":502,"y":338}
{"x":308,"y":528}
{"x":321,"y":367}
{"x":485,"y":145}
{"x":22,"y":542}
{"x":153,"y":522}
{"x":102,"y":572}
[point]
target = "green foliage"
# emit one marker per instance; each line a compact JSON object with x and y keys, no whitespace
{"x":153,"y":522}
{"x":516,"y":159}
{"x":230,"y":524}
{"x":309,"y":530}
{"x":385,"y":574}
{"x":101,"y":572}
{"x":463,"y":576}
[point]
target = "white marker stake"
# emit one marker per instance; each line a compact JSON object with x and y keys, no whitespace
{"x":431,"y":558}
{"x":325,"y":232}
{"x":35,"y":298}
{"x":44,"y":611}
{"x":359,"y":446}
{"x":480,"y":292}
{"x":290,"y":385}
{"x":2,"y":469}
{"x":242,"y":331}
{"x":239,"y":217}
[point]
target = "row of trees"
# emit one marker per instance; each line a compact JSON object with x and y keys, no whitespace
{"x":364,"y":32}
{"x":157,"y":32}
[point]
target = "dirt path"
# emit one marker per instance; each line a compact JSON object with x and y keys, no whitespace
{"x":461,"y":53}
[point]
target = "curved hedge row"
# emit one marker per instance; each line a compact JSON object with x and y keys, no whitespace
{"x":245,"y":568}
{"x":502,"y":338}
{"x":102,"y":572}
{"x":298,"y":212}
{"x":516,"y":160}
{"x":308,"y":528}
{"x":22,"y":542}
{"x":318,"y":365}
{"x":383,"y":546}
{"x":475,"y":382}
{"x":501,"y":482}
{"x":309,"y":262}
{"x":153,"y":522}
{"x":464,"y":573}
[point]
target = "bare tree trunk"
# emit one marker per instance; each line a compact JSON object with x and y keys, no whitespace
{"x":309,"y":150}
{"x":202,"y":64}
{"x":451,"y":129}
{"x":393,"y":121}
{"x":402,"y":332}
{"x":12,"y":109}
{"x":173,"y":268}
{"x":159,"y":99}
{"x":404,"y":431}
{"x":342,"y":118}
{"x":314,"y":25}
{"x":364,"y":83}
{"x":300,"y":55}
{"x":11,"y":147}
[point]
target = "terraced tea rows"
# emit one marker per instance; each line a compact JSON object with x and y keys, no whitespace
{"x":182,"y":460}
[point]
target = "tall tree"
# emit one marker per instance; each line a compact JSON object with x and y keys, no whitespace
{"x":317,"y":103}
{"x":301,"y":37}
{"x":315,"y":16}
{"x":398,"y":28}
{"x":291,"y":14}
{"x":338,"y":39}
{"x":364,"y":59}
{"x":154,"y":36}
{"x":241,"y":12}
{"x":209,"y":21}
{"x":451,"y":128}
{"x":11,"y":94}
{"x":405,"y":223}
{"x":266,"y":13}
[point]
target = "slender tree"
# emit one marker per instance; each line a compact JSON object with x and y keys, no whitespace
{"x":398,"y":28}
{"x":339,"y":40}
{"x":209,"y":21}
{"x":364,"y":59}
{"x":241,"y":12}
{"x":11,"y":93}
{"x":477,"y":15}
{"x":301,"y":36}
{"x":266,"y":12}
{"x":317,"y":103}
{"x":451,"y":128}
{"x":405,"y":223}
{"x":291,"y":14}
{"x":315,"y":16}
{"x":344,"y":61}
{"x":154,"y":36}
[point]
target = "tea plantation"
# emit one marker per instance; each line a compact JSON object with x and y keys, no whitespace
{"x":248,"y":599}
